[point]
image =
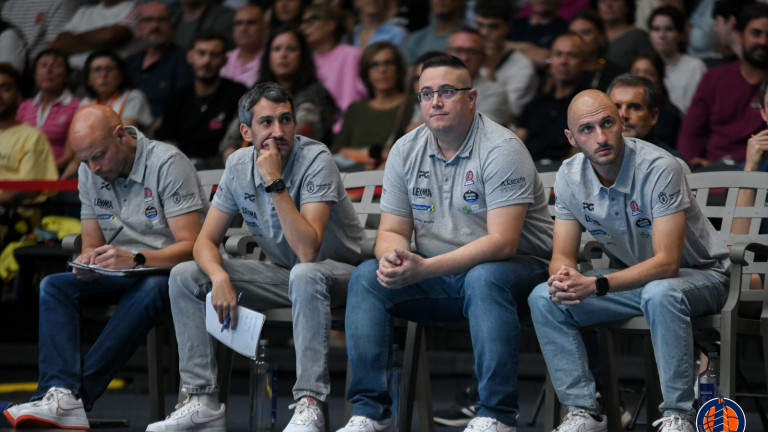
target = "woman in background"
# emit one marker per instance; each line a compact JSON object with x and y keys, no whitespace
{"x":651,"y":66}
{"x":372,"y":125}
{"x":52,"y":109}
{"x":108,"y":83}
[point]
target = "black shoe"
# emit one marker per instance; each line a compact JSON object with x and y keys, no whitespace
{"x":461,"y":412}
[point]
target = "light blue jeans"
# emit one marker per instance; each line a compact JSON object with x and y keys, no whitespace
{"x":489,"y":295}
{"x":667,"y":304}
{"x":311,"y":289}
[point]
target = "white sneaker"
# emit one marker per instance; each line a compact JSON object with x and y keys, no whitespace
{"x":364,"y":424}
{"x":580,"y":421}
{"x":674,"y":424}
{"x":487,"y":424}
{"x":192,"y":415}
{"x":308,"y":416}
{"x":59,"y":408}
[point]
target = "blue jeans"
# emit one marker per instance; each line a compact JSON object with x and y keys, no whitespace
{"x":488,"y":295}
{"x":61,"y":365}
{"x":667,"y":304}
{"x":310,"y":289}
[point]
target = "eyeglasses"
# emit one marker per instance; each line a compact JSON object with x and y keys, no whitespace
{"x":385,"y":63}
{"x":445,"y":93}
{"x":310,"y":20}
{"x":100,"y":69}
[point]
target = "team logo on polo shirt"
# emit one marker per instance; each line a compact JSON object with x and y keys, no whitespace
{"x":430,"y":208}
{"x":150,"y":212}
{"x":663,"y":198}
{"x":635,"y":208}
{"x":106,"y":216}
{"x":721,"y":414}
{"x":643,"y":223}
{"x":469,"y":178}
{"x":470,"y":196}
{"x":599,"y":232}
{"x":148,"y":195}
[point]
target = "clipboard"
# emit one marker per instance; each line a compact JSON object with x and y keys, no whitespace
{"x":245,"y":338}
{"x":139,"y":271}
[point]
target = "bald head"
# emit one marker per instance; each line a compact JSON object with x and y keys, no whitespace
{"x":100,"y":141}
{"x":589,"y":102}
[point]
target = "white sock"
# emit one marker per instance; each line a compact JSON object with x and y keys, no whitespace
{"x":211,"y":400}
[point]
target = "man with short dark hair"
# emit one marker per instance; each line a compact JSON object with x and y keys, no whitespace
{"x":162,"y":67}
{"x":724,"y":112}
{"x":290,"y":194}
{"x":243,"y":62}
{"x":466,"y":43}
{"x":668,"y":263}
{"x":141,"y":206}
{"x":463,"y":187}
{"x":196,"y":116}
{"x":639,"y":101}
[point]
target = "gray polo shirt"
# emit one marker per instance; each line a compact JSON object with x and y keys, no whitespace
{"x":650,"y":184}
{"x":162,"y":184}
{"x":449,"y":200}
{"x":310,"y":176}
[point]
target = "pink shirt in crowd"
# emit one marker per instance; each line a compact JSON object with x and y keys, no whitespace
{"x":246,"y":74}
{"x":53,"y":122}
{"x":341,"y":61}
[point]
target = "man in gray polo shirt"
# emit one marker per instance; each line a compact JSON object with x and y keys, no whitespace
{"x":141,"y":205}
{"x":289,"y":192}
{"x":633,"y":197}
{"x":467,"y":190}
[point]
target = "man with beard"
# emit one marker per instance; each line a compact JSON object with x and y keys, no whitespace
{"x":724,"y":112}
{"x":196,"y":116}
{"x":670,"y":264}
{"x":545,"y":115}
{"x":162,"y":67}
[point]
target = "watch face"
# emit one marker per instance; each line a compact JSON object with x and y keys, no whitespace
{"x":139,"y":259}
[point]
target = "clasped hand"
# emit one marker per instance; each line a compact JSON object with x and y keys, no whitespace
{"x":106,"y":256}
{"x":568,"y":286}
{"x":399,"y":268}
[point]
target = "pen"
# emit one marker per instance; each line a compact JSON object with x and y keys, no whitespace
{"x":111,"y":239}
{"x":229,"y":318}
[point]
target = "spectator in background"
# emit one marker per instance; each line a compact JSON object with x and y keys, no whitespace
{"x":534,"y":35}
{"x":162,"y":67}
{"x":466,"y":43}
{"x":375,"y":24}
{"x":566,"y":9}
{"x":639,"y":101}
{"x":40,"y":21}
{"x":372,"y":125}
{"x":104,"y":25}
{"x":196,"y":115}
{"x":445,"y":17}
{"x":336,"y":63}
{"x":726,"y":15}
{"x":625,"y":41}
{"x":651,"y":66}
{"x":543,"y":119}
{"x":24,"y":150}
{"x":598,"y":71}
{"x":703,"y":42}
{"x":199,"y":15}
{"x":666,"y":27}
{"x":286,"y":12}
{"x":107,"y":83}
{"x":54,"y":106}
{"x":13,"y":49}
{"x":724,"y":112}
{"x":248,"y":32}
{"x":508,"y":67}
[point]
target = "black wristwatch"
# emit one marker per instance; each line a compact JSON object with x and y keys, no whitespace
{"x":139,"y":259}
{"x":276,"y":186}
{"x":602,"y":286}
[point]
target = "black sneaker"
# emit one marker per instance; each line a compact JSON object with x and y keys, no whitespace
{"x":461,"y":412}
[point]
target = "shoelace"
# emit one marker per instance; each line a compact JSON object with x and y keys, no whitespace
{"x":480,"y":423}
{"x":50,"y":396}
{"x":670,"y":423}
{"x":183,"y":408}
{"x":305,"y":413}
{"x":358,"y":421}
{"x":572,"y":418}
